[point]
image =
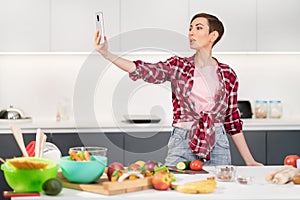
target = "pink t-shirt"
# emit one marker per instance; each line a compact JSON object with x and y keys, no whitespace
{"x":203,"y":91}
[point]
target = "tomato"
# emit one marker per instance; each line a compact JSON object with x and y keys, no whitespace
{"x":196,"y":165}
{"x":291,"y":160}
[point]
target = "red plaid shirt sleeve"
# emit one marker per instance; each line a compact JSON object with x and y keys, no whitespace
{"x":152,"y":72}
{"x":233,"y":124}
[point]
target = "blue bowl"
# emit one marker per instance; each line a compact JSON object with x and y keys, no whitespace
{"x":83,"y":172}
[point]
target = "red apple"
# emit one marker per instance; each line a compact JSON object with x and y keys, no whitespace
{"x":291,"y":160}
{"x":161,"y":180}
{"x":112,"y":167}
{"x":134,"y":167}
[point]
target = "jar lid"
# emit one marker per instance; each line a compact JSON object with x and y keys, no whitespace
{"x":261,"y":101}
{"x":275,"y":101}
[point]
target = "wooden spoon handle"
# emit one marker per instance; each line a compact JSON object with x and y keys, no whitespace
{"x":19,"y":138}
{"x":37,"y":144}
{"x":2,"y":160}
{"x":43,"y":142}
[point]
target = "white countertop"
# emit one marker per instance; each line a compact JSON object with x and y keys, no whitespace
{"x":259,"y":189}
{"x":71,"y":126}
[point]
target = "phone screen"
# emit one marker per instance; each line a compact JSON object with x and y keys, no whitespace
{"x":100,"y":25}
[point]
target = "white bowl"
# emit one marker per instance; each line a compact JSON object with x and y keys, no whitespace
{"x":52,"y":152}
{"x":225,"y":173}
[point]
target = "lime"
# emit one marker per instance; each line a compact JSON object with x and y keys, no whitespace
{"x":52,"y":186}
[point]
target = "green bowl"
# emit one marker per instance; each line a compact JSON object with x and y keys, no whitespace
{"x":29,"y":180}
{"x":83,"y":172}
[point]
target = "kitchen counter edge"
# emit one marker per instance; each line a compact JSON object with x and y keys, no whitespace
{"x":82,"y":127}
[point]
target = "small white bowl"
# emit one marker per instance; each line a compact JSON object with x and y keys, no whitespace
{"x":52,"y":152}
{"x":244,"y":180}
{"x":225,"y":173}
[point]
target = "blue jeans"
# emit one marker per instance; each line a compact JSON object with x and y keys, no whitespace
{"x":179,"y":149}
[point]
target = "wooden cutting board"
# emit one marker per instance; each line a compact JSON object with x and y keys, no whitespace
{"x":105,"y":187}
{"x":178,"y":171}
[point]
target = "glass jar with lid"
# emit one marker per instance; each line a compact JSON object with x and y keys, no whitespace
{"x":261,"y":109}
{"x":275,"y":110}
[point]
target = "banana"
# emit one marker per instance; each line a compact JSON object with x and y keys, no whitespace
{"x":202,"y":187}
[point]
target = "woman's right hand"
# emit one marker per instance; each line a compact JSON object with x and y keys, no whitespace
{"x":122,"y":63}
{"x":101,"y":48}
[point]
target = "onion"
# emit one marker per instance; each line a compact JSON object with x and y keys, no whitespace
{"x":149,"y":165}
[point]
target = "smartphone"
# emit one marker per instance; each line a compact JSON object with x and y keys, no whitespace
{"x":100,"y":25}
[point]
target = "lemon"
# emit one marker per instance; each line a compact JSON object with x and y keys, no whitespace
{"x":52,"y":186}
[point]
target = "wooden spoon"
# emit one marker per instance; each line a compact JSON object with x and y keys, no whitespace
{"x":2,"y":160}
{"x":43,"y":142}
{"x":19,"y":138}
{"x":38,"y":138}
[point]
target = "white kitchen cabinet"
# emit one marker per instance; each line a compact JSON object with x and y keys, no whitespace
{"x":278,"y":28}
{"x":24,"y":25}
{"x":73,"y":24}
{"x":154,"y":25}
{"x":239,"y":20}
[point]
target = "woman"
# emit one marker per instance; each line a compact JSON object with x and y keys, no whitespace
{"x":204,"y":96}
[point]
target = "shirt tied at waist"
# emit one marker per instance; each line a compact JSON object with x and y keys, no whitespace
{"x":202,"y":136}
{"x":202,"y":133}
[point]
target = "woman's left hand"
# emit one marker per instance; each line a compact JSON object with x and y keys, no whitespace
{"x":254,"y":163}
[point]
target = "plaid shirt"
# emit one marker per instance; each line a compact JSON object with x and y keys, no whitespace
{"x":180,"y":71}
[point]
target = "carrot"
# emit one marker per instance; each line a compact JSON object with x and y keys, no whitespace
{"x":87,"y":156}
{"x":74,"y":155}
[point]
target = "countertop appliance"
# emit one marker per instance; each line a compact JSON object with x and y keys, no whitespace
{"x":245,"y":109}
{"x":12,"y":113}
{"x":141,"y":119}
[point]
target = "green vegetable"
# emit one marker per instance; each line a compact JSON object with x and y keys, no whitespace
{"x":183,"y":165}
{"x":71,"y":158}
{"x":52,"y":186}
{"x":80,"y":155}
{"x":115,"y":174}
{"x":161,"y":169}
{"x":173,"y":178}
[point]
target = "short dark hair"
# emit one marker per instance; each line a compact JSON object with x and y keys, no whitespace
{"x":214,"y":24}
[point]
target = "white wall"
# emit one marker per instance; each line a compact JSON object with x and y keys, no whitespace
{"x":36,"y":83}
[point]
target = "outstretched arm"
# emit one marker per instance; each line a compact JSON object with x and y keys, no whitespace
{"x":122,"y":63}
